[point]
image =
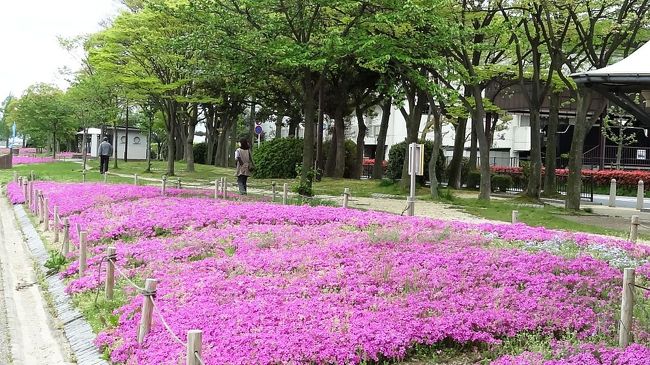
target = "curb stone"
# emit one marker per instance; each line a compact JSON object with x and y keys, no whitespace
{"x":76,"y":329}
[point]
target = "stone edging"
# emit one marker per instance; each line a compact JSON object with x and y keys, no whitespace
{"x":76,"y":329}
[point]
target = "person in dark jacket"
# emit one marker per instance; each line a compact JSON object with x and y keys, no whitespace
{"x":245,"y":165}
{"x":105,"y":152}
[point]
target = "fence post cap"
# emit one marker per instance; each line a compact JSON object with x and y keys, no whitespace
{"x":613,"y":180}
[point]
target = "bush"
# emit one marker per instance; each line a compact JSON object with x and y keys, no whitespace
{"x":350,"y":154}
{"x":278,"y":158}
{"x":501,"y":182}
{"x":465,"y":168}
{"x":200,"y":152}
{"x":473,"y":179}
{"x":397,"y":155}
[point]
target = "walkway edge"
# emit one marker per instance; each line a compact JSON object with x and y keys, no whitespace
{"x":75,"y":327}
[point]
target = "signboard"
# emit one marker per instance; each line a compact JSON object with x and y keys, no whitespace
{"x":416,"y":159}
{"x":258,"y":129}
{"x":640,"y":154}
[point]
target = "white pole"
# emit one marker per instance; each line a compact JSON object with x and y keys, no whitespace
{"x":612,"y":193}
{"x":259,"y":138}
{"x":515,"y":216}
{"x":346,"y":197}
{"x":410,"y":201}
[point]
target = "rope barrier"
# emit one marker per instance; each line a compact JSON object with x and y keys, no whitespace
{"x":198,"y":357}
{"x":141,"y":289}
{"x":99,"y":278}
{"x":166,"y":325}
{"x":640,"y":287}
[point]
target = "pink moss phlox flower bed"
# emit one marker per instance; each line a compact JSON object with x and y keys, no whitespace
{"x":271,"y":284}
{"x":28,"y":160}
{"x":585,"y":354}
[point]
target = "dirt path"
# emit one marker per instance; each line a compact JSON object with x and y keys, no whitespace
{"x":33,"y":338}
{"x":422,"y":208}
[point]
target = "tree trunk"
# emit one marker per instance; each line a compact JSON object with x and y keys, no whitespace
{"x":278,"y":128}
{"x":550,"y":184}
{"x":330,"y":160}
{"x":619,"y":148}
{"x":361,"y":137}
{"x":126,"y":135}
{"x":380,"y":152}
{"x":583,"y":124}
{"x":171,"y":131}
{"x":484,"y":149}
{"x":115,"y":144}
{"x":149,"y":144}
{"x":192,"y":121}
{"x":413,"y":120}
{"x":339,"y":125}
{"x":456,"y":164}
{"x":473,"y":150}
{"x":181,"y":138}
{"x":310,"y":116}
{"x":437,"y":143}
{"x":320,"y":155}
{"x":535,"y":178}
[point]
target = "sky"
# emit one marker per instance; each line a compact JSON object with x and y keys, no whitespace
{"x":29,"y":49}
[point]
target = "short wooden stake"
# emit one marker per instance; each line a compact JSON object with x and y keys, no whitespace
{"x":285,"y":193}
{"x":640,"y":195}
{"x":78,"y":227}
{"x":135,"y":179}
{"x":163,"y":185}
{"x":627,"y":306}
{"x":612,"y":193}
{"x":111,"y":256}
{"x":178,"y":183}
{"x":273,"y":189}
{"x":83,"y":236}
{"x":57,"y":222}
{"x":147,"y":309}
{"x":66,"y":237}
{"x":634,"y":228}
{"x":83,"y":173}
{"x":105,"y":177}
{"x":346,"y":197}
{"x":216,"y":188}
{"x":41,"y":207}
{"x":515,"y":216}
{"x":194,"y":344}
{"x":46,"y":214}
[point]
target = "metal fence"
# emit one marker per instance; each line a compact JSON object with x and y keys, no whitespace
{"x":586,"y":190}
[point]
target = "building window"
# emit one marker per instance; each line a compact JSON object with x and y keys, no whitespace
{"x":123,"y":139}
{"x":136,"y":140}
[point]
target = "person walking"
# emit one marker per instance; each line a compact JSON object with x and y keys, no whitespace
{"x":105,"y":152}
{"x":245,"y":165}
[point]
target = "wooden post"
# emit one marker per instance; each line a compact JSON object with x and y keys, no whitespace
{"x":46,"y":214}
{"x":639,"y":196}
{"x":78,"y":226}
{"x":515,"y":216}
{"x":627,"y":306}
{"x":178,"y":183}
{"x":84,"y":175}
{"x":194,"y":343}
{"x":82,"y":253}
{"x":346,"y":197}
{"x":163,"y":185}
{"x":612,"y":193}
{"x":40,"y":205}
{"x":147,"y":309}
{"x":634,"y":228}
{"x":216,"y":188}
{"x":273,"y":189}
{"x":224,"y":188}
{"x":66,"y":237}
{"x":111,"y":256}
{"x":135,"y":179}
{"x":24,"y":186}
{"x":285,"y":193}
{"x":15,"y":176}
{"x":56,"y":224}
{"x":30,"y":194}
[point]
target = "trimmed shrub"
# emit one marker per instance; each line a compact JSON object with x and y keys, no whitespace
{"x":501,"y":183}
{"x":278,"y":158}
{"x":396,"y":158}
{"x":200,"y":152}
{"x":473,"y":179}
{"x":350,"y":154}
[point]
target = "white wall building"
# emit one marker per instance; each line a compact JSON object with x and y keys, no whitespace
{"x":137,"y":142}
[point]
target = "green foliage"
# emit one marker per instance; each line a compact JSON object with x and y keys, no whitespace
{"x":350,"y":158}
{"x":200,"y":152}
{"x":501,"y":182}
{"x":473,"y":179}
{"x":278,"y":158}
{"x":55,"y":262}
{"x":304,"y":187}
{"x":397,"y":155}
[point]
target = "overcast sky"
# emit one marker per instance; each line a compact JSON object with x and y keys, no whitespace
{"x":29,"y":50}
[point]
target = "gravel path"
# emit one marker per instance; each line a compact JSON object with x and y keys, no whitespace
{"x":33,"y":338}
{"x":422,"y":208}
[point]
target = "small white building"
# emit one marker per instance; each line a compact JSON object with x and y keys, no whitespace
{"x":137,"y":142}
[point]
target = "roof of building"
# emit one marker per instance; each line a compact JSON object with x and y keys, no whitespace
{"x":627,"y":75}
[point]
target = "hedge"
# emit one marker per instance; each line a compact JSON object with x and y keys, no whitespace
{"x":624,"y":178}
